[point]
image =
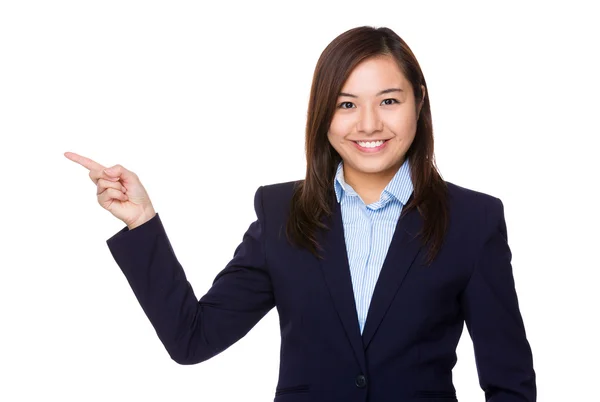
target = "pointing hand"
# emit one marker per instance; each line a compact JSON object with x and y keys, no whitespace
{"x":119,"y":191}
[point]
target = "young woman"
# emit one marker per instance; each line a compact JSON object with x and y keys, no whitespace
{"x":373,"y":261}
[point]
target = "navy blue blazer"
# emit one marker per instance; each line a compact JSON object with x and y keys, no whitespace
{"x":416,"y":316}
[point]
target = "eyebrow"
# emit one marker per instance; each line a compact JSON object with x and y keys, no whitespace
{"x":385,"y":91}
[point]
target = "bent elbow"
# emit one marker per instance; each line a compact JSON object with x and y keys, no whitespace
{"x":186,"y":356}
{"x":187,"y":359}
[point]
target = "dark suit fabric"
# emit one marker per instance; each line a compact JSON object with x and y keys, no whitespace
{"x":407,"y":350}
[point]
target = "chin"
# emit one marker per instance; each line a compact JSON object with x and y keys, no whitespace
{"x":376,"y":167}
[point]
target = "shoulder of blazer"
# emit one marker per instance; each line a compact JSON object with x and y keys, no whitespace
{"x":465,"y":198}
{"x":276,"y":197}
{"x":281,"y":189}
{"x":483,"y":210}
{"x":274,"y":200}
{"x":465,"y":204}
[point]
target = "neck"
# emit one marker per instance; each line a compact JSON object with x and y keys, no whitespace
{"x":369,"y":186}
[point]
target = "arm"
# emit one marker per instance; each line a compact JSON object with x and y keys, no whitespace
{"x":491,"y":310}
{"x":195,"y":330}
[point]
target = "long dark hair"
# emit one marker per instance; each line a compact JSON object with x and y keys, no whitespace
{"x":313,"y":197}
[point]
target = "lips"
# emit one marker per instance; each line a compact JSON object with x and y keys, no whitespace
{"x":372,"y":149}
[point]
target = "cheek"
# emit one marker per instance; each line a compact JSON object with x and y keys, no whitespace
{"x":333,"y":140}
{"x":341,"y":125}
{"x":405,"y":127}
{"x":337,"y":142}
{"x":333,"y":131}
{"x":336,"y":133}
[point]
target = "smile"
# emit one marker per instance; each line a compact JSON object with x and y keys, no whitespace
{"x":370,"y":146}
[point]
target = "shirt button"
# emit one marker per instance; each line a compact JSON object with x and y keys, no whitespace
{"x":361,"y":381}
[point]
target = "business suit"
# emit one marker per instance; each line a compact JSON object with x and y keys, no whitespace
{"x":415,"y":319}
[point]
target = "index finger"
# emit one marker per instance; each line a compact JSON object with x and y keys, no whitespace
{"x":83,"y":161}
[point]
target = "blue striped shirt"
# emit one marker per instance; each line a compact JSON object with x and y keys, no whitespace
{"x":368,"y":231}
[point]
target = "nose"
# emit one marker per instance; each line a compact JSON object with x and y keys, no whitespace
{"x":369,"y":121}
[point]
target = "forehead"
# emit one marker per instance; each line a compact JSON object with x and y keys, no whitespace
{"x":374,"y":74}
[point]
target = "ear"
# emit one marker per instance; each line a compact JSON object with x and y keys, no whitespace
{"x":422,"y":101}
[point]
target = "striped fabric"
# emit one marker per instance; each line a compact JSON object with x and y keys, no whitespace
{"x":368,"y":230}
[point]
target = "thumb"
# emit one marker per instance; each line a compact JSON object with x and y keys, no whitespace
{"x":119,"y":171}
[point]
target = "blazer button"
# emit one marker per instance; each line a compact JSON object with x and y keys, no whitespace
{"x":361,"y":381}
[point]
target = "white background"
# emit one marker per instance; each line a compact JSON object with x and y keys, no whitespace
{"x":207,"y":102}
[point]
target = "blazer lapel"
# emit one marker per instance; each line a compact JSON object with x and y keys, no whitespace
{"x":335,"y":267}
{"x":336,"y":272}
{"x":403,"y":249}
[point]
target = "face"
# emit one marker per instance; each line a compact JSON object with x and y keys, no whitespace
{"x":375,"y":119}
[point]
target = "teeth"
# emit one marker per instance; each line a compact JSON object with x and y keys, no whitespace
{"x":370,"y":144}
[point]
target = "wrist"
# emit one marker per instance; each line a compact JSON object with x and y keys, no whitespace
{"x":143,"y":219}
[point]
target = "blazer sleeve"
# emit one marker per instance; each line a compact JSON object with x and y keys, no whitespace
{"x":489,"y":302}
{"x":193,"y":330}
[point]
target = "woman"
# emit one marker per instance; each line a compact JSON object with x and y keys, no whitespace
{"x":373,"y":261}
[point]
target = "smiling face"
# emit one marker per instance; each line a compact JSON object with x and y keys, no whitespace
{"x":375,"y":120}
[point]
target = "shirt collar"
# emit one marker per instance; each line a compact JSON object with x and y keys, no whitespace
{"x":400,"y":187}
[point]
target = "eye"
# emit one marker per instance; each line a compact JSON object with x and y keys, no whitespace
{"x":341,"y":105}
{"x":390,"y":99}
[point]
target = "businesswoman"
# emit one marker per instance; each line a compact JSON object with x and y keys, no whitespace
{"x":373,"y":261}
